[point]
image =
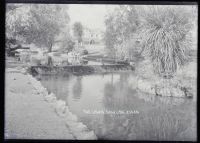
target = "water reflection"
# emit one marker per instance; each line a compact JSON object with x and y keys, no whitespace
{"x":108,"y":95}
{"x":123,"y":80}
{"x":50,"y":61}
{"x":114,"y":92}
{"x":57,"y":86}
{"x":77,"y":88}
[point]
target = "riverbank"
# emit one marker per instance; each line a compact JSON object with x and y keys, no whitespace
{"x":183,"y":84}
{"x":79,"y":69}
{"x":33,"y":113}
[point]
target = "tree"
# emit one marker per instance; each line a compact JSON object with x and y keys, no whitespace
{"x":120,"y":25}
{"x":110,"y":35}
{"x":50,"y":20}
{"x":40,"y":24}
{"x":12,"y":7}
{"x":15,"y":22}
{"x":78,"y":31}
{"x":166,"y":37}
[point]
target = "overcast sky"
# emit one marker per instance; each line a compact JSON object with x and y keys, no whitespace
{"x":89,"y":15}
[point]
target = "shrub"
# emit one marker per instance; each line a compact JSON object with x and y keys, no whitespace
{"x":165,"y":34}
{"x":84,"y":52}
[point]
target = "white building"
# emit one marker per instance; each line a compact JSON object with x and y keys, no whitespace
{"x":92,"y":36}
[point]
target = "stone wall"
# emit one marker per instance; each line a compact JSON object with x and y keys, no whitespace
{"x":79,"y":69}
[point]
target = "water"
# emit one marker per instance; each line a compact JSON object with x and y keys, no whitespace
{"x":132,"y":115}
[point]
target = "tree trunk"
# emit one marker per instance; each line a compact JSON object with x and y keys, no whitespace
{"x":112,"y":79}
{"x":50,"y":61}
{"x":50,"y":48}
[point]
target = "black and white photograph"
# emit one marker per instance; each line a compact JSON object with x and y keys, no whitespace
{"x":101,"y":72}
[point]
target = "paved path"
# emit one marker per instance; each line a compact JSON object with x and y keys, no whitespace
{"x":27,"y":115}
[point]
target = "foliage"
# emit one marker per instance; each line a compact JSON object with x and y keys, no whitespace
{"x":15,"y":23}
{"x":110,"y":35}
{"x":40,"y":24}
{"x":11,"y":46}
{"x":164,"y":31}
{"x":78,"y":31}
{"x":84,"y":52}
{"x":165,"y":34}
{"x":10,"y":42}
{"x":129,"y":49}
{"x":11,"y":7}
{"x":120,"y":25}
{"x":68,"y":45}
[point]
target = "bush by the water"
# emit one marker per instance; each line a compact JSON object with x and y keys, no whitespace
{"x":84,"y":52}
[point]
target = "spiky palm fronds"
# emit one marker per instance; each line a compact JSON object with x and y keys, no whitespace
{"x":166,"y":38}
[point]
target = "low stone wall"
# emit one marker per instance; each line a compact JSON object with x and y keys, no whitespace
{"x":79,"y":69}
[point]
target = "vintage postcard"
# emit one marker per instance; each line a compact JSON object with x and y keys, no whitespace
{"x":101,"y":72}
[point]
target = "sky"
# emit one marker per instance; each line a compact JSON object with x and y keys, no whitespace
{"x":91,"y":16}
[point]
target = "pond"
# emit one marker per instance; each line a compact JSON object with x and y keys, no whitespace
{"x":111,"y":106}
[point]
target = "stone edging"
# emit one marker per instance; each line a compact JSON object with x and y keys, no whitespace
{"x":77,"y":128}
{"x":171,"y":90}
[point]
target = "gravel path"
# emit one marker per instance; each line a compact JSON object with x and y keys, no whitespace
{"x":27,"y":115}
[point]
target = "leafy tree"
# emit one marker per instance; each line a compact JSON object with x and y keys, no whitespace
{"x":67,"y":44}
{"x":12,"y":7}
{"x":78,"y":31}
{"x":15,"y":22}
{"x":40,"y":24}
{"x":120,"y":25}
{"x":110,"y":34}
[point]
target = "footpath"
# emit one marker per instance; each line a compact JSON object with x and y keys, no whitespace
{"x":29,"y":114}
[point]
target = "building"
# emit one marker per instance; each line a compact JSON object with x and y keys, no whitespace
{"x":92,"y":36}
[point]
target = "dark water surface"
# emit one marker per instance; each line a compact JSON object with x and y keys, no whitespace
{"x":111,"y":105}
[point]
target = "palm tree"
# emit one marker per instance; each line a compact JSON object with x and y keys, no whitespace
{"x":166,"y":37}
